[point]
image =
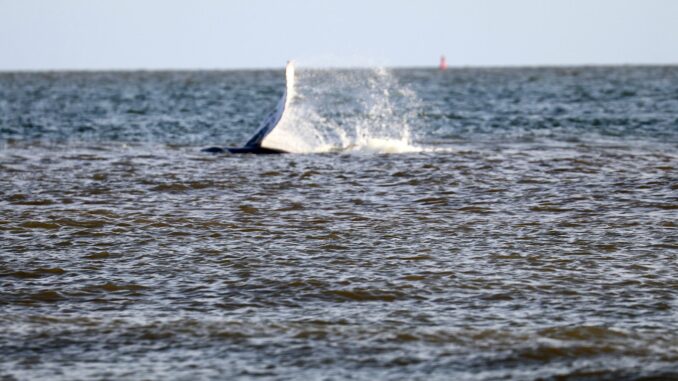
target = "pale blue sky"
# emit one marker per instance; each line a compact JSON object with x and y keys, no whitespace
{"x":148,"y":34}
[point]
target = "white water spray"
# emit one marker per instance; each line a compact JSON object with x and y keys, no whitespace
{"x":363,"y":110}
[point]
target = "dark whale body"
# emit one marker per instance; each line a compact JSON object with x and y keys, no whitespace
{"x":254,"y":150}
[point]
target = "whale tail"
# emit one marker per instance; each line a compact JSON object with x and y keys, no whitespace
{"x":258,"y":143}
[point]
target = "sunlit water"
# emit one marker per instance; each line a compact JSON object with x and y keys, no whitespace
{"x":526,"y":229}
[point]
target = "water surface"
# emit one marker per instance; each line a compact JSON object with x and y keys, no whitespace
{"x":530,"y":233}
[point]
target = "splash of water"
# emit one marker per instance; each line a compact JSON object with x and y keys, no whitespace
{"x":364,"y":110}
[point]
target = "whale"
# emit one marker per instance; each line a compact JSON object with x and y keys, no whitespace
{"x":262,"y":142}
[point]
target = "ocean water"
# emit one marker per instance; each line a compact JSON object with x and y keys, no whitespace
{"x":472,"y":224}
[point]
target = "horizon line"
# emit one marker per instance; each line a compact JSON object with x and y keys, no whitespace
{"x":347,"y":67}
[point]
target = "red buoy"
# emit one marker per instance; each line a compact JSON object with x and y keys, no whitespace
{"x":443,"y":63}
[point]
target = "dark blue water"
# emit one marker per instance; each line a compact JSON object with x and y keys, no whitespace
{"x":527,"y":231}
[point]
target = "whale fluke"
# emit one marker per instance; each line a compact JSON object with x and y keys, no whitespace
{"x":258,"y":144}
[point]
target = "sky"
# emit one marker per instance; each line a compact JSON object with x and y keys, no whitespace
{"x":224,"y":34}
